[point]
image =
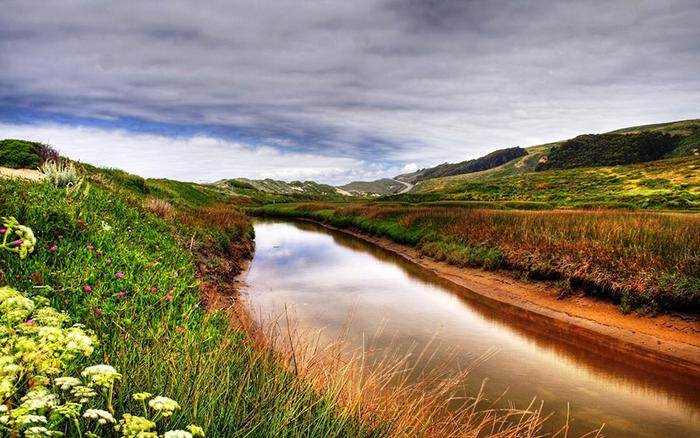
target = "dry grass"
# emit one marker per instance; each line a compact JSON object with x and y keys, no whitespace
{"x":160,"y":207}
{"x":428,"y":400}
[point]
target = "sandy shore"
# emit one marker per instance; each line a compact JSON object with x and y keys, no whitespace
{"x":672,"y":339}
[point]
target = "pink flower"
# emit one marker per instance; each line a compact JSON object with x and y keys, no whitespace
{"x":90,"y":247}
{"x":3,"y":231}
{"x":30,"y":321}
{"x":154,"y":289}
{"x":54,"y":248}
{"x":98,"y":310}
{"x":169,"y":297}
{"x":109,"y":261}
{"x":18,"y":242}
{"x":87,"y":288}
{"x":166,"y":337}
{"x":119,"y":275}
{"x":122,"y":294}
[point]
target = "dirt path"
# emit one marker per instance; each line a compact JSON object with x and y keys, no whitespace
{"x":671,"y":339}
{"x":407,"y":187}
{"x":31,"y":174}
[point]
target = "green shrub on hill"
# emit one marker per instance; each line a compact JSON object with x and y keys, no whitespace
{"x":20,"y":154}
{"x":609,"y":150}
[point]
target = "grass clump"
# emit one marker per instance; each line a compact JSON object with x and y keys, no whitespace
{"x":61,"y":174}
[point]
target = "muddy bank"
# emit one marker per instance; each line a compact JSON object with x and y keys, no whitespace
{"x":672,"y":341}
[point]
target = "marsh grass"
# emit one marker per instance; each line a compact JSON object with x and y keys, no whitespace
{"x":642,"y":260}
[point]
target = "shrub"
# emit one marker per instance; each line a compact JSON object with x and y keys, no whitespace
{"x":159,"y":207}
{"x":61,"y":174}
{"x":20,"y":154}
{"x":609,"y":150}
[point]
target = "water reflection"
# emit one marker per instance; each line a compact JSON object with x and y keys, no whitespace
{"x":330,"y":279}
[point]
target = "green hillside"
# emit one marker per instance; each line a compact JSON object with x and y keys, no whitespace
{"x":384,"y":186}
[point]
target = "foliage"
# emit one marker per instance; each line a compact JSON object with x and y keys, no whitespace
{"x":117,"y":268}
{"x":61,"y":174}
{"x":41,"y":391}
{"x":608,"y":150}
{"x":22,"y":242}
{"x":488,"y":161}
{"x":641,"y":260}
{"x":20,"y":154}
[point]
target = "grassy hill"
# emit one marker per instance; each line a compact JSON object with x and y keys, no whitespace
{"x":384,"y":186}
{"x":489,"y":161}
{"x":297,"y":189}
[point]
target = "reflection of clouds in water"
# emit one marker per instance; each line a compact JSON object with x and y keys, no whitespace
{"x":329,"y":282}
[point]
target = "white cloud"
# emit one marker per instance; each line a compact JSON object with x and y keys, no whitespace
{"x":199,"y":158}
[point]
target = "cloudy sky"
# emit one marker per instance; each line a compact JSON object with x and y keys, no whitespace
{"x":335,"y":90}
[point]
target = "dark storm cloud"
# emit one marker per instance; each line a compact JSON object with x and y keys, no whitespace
{"x":370,"y":81}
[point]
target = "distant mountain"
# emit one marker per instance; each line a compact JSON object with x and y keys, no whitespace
{"x":278,"y":187}
{"x":489,"y":161}
{"x":380,"y":187}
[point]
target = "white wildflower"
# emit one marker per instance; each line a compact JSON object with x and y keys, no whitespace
{"x":66,"y":383}
{"x":102,"y":417}
{"x":37,"y":432}
{"x":141,"y":396}
{"x":102,"y":375}
{"x":177,"y":434}
{"x":164,"y":405}
{"x":196,"y":431}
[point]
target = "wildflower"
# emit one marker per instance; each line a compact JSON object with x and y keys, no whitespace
{"x":38,"y":431}
{"x":90,"y":247}
{"x":30,"y":321}
{"x":67,"y":410}
{"x":166,"y":337}
{"x":102,"y":417}
{"x":196,"y":431}
{"x":169,"y":297}
{"x":3,"y":231}
{"x":109,"y":261}
{"x":141,"y":396}
{"x":98,"y":310}
{"x":87,"y":288}
{"x":163,"y":405}
{"x":122,"y":293}
{"x":154,"y":289}
{"x":83,"y":393}
{"x":66,"y":383}
{"x":177,"y":434}
{"x":26,"y":420}
{"x":102,"y":375}
{"x":105,"y":226}
{"x":38,"y":399}
{"x":24,"y":244}
{"x":135,"y":426}
{"x":119,"y":275}
{"x":17,"y":242}
{"x":53,"y":248}
{"x":78,"y":342}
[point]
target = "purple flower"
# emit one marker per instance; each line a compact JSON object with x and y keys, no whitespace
{"x":119,"y":275}
{"x":54,"y":248}
{"x":18,"y":242}
{"x":3,"y":231}
{"x":122,"y":293}
{"x":87,"y":288}
{"x":109,"y":261}
{"x":30,"y":321}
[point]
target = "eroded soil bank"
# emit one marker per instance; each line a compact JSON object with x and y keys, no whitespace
{"x":670,"y":339}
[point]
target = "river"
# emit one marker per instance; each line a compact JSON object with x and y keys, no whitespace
{"x":340,"y":285}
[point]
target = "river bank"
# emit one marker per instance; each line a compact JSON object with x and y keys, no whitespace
{"x":668,"y":340}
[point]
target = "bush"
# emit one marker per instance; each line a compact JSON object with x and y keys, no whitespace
{"x":20,"y":154}
{"x":609,"y":150}
{"x":61,"y":174}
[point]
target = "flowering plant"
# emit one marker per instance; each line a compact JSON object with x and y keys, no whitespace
{"x":24,"y":242}
{"x":40,"y":399}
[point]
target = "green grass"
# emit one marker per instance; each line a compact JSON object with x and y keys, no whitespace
{"x":665,"y":184}
{"x":169,"y":347}
{"x":641,"y":260}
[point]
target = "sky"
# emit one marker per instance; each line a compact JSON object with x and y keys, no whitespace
{"x":335,"y":91}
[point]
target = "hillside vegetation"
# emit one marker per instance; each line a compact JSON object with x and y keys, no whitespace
{"x":21,"y":154}
{"x":489,"y":161}
{"x":384,"y":186}
{"x":609,"y":150}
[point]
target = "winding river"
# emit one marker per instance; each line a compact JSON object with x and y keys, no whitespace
{"x":342,"y":286}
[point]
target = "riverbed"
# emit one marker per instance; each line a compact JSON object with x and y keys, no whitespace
{"x":343,"y":287}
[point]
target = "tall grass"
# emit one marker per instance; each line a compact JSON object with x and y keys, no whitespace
{"x":642,"y":260}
